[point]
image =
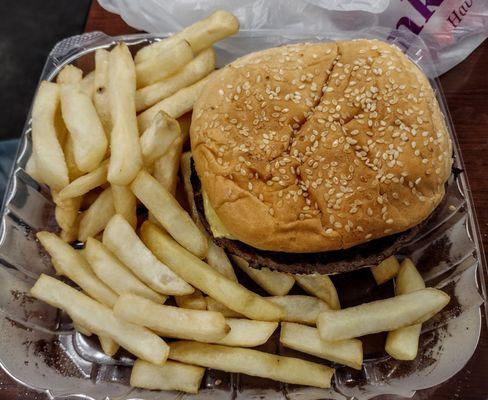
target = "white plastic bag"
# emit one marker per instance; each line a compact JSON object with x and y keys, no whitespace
{"x":452,"y":29}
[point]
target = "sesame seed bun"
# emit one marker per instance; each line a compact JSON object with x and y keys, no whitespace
{"x":320,"y":146}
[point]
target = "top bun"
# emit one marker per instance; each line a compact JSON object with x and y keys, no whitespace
{"x":320,"y":146}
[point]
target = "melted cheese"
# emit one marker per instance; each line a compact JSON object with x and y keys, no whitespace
{"x":216,"y":226}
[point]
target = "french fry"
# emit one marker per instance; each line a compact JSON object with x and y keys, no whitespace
{"x":114,"y":274}
{"x":175,"y":105}
{"x":97,"y":216}
{"x":69,"y":155}
{"x":185,"y":123}
{"x":109,"y":346}
{"x":252,"y":362}
{"x":70,"y":263}
{"x":382,"y":315}
{"x":81,"y":329}
{"x":100,"y":319}
{"x":194,"y":301}
{"x":120,"y":239}
{"x":87,"y":84}
{"x":385,"y":270}
{"x":157,"y":139}
{"x":169,"y":376}
{"x":32,"y":170}
{"x":217,"y":258}
{"x":198,"y":68}
{"x":125,"y":203}
{"x":200,"y":35}
{"x":320,"y":286}
{"x":85,"y":128}
{"x":403,"y":343}
{"x":214,"y":305}
{"x":50,"y":161}
{"x":307,"y":340}
{"x":164,"y":63}
{"x":169,"y":213}
{"x":69,"y":74}
{"x":166,"y":167}
{"x":247,"y":333}
{"x":100,"y":97}
{"x":274,"y":282}
{"x":204,"y":277}
{"x":85,"y":183}
{"x":69,"y":217}
{"x":174,"y":322}
{"x":126,"y":155}
{"x":301,"y":309}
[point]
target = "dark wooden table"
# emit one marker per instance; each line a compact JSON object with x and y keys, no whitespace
{"x":466,"y":91}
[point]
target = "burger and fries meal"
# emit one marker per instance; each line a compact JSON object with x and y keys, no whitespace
{"x":175,"y":180}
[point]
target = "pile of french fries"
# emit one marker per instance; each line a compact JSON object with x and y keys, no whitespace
{"x":110,"y":144}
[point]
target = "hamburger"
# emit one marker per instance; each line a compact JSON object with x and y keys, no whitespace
{"x":318,"y":157}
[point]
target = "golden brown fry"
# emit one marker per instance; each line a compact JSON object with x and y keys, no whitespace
{"x":70,"y":263}
{"x":170,"y":376}
{"x":307,"y":340}
{"x":157,"y":139}
{"x":126,"y":155}
{"x":247,"y":333}
{"x":403,"y":343}
{"x":217,"y":258}
{"x":85,"y":128}
{"x":100,"y":320}
{"x":100,"y":97}
{"x":66,"y":214}
{"x":73,"y":171}
{"x":382,"y":315}
{"x":200,"y":35}
{"x":252,"y":362}
{"x":69,"y":74}
{"x":121,"y":240}
{"x":166,"y":167}
{"x":214,"y":305}
{"x":87,"y":84}
{"x":175,"y":105}
{"x":385,"y":270}
{"x":169,"y":213}
{"x":274,"y":282}
{"x":125,"y":203}
{"x":32,"y":170}
{"x":193,"y":301}
{"x":320,"y":286}
{"x":301,"y":309}
{"x":50,"y":161}
{"x":174,"y":322}
{"x":115,"y":274}
{"x":163,"y":64}
{"x":198,"y":68}
{"x":204,"y":277}
{"x":109,"y":346}
{"x":85,"y":183}
{"x":97,"y":216}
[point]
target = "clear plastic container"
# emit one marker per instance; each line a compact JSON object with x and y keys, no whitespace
{"x":39,"y":348}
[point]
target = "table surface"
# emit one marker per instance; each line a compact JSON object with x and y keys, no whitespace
{"x":466,"y":90}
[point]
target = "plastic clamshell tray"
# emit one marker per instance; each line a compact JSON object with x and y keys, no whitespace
{"x":40,"y":350}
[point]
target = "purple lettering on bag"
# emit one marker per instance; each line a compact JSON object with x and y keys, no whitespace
{"x":409,"y":24}
{"x":454,"y":18}
{"x":423,"y":9}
